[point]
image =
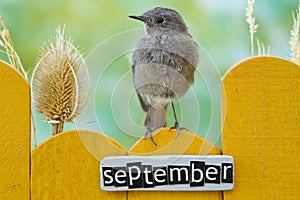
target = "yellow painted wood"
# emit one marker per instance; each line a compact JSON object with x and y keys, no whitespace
{"x":186,"y":143}
{"x":262,"y":128}
{"x":67,"y":166}
{"x":14,"y":134}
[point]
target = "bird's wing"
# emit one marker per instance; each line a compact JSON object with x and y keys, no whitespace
{"x":143,"y":104}
{"x":133,"y":68}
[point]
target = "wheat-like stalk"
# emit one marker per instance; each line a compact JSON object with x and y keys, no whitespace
{"x":294,"y":39}
{"x":60,"y":82}
{"x":259,"y":47}
{"x":261,"y":50}
{"x":251,"y":21}
{"x":9,"y":50}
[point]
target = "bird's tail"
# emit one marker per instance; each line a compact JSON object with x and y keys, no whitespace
{"x":158,"y":117}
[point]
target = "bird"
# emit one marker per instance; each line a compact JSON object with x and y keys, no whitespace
{"x":163,"y":63}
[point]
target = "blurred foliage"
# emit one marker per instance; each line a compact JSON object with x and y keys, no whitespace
{"x":218,"y":26}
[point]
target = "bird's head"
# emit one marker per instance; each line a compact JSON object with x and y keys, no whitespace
{"x":161,"y":19}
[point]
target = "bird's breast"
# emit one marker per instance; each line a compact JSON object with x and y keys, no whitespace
{"x":164,"y":66}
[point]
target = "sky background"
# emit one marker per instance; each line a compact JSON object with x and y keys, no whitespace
{"x":101,"y":27}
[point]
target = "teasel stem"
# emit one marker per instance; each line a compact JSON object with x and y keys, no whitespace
{"x":57,"y":127}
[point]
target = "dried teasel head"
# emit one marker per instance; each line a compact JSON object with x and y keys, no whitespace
{"x":60,"y":82}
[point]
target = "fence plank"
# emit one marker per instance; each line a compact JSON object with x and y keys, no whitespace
{"x":185,"y":144}
{"x":67,"y":166}
{"x":262,"y":128}
{"x":14,"y":134}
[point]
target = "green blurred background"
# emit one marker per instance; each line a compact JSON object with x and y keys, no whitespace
{"x":218,"y":26}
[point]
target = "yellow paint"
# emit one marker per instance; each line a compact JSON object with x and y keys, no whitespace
{"x":67,"y":166}
{"x":261,"y":106}
{"x":262,"y":128}
{"x":14,"y":135}
{"x":185,"y":144}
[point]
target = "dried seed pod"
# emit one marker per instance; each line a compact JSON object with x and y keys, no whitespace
{"x":60,"y":82}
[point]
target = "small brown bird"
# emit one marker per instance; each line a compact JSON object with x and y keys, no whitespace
{"x":163,"y":65}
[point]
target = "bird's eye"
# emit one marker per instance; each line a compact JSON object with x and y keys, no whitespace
{"x":159,"y":20}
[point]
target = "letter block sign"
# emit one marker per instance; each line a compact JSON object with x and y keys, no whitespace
{"x":167,"y":172}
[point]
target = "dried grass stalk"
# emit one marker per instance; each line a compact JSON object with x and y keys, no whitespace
{"x":261,"y":50}
{"x":251,"y":21}
{"x":60,"y":82}
{"x":9,"y":50}
{"x":294,"y":39}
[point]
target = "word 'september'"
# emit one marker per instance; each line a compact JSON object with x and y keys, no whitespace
{"x":181,"y":173}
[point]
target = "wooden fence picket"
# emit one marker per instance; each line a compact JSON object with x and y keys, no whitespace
{"x":262,"y":128}
{"x":185,"y":144}
{"x":67,"y":166}
{"x":14,"y":134}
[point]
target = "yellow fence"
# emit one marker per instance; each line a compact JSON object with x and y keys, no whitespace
{"x":261,"y":102}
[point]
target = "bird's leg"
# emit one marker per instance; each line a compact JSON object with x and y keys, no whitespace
{"x":148,"y":130}
{"x":176,"y":125}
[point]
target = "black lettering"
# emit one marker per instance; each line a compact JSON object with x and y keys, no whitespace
{"x":212,"y":174}
{"x":120,"y":176}
{"x":160,"y":176}
{"x":107,"y":173}
{"x":227,"y":172}
{"x":178,"y":174}
{"x":147,"y":176}
{"x":134,"y":178}
{"x":197,"y":170}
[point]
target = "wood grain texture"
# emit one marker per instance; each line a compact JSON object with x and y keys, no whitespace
{"x":185,"y":144}
{"x":262,"y":128}
{"x":67,"y":166}
{"x":14,"y":134}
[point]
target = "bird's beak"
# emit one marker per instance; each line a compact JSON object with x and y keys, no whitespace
{"x":141,"y":18}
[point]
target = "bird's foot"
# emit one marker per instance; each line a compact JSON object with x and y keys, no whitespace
{"x":178,"y":128}
{"x":149,"y":132}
